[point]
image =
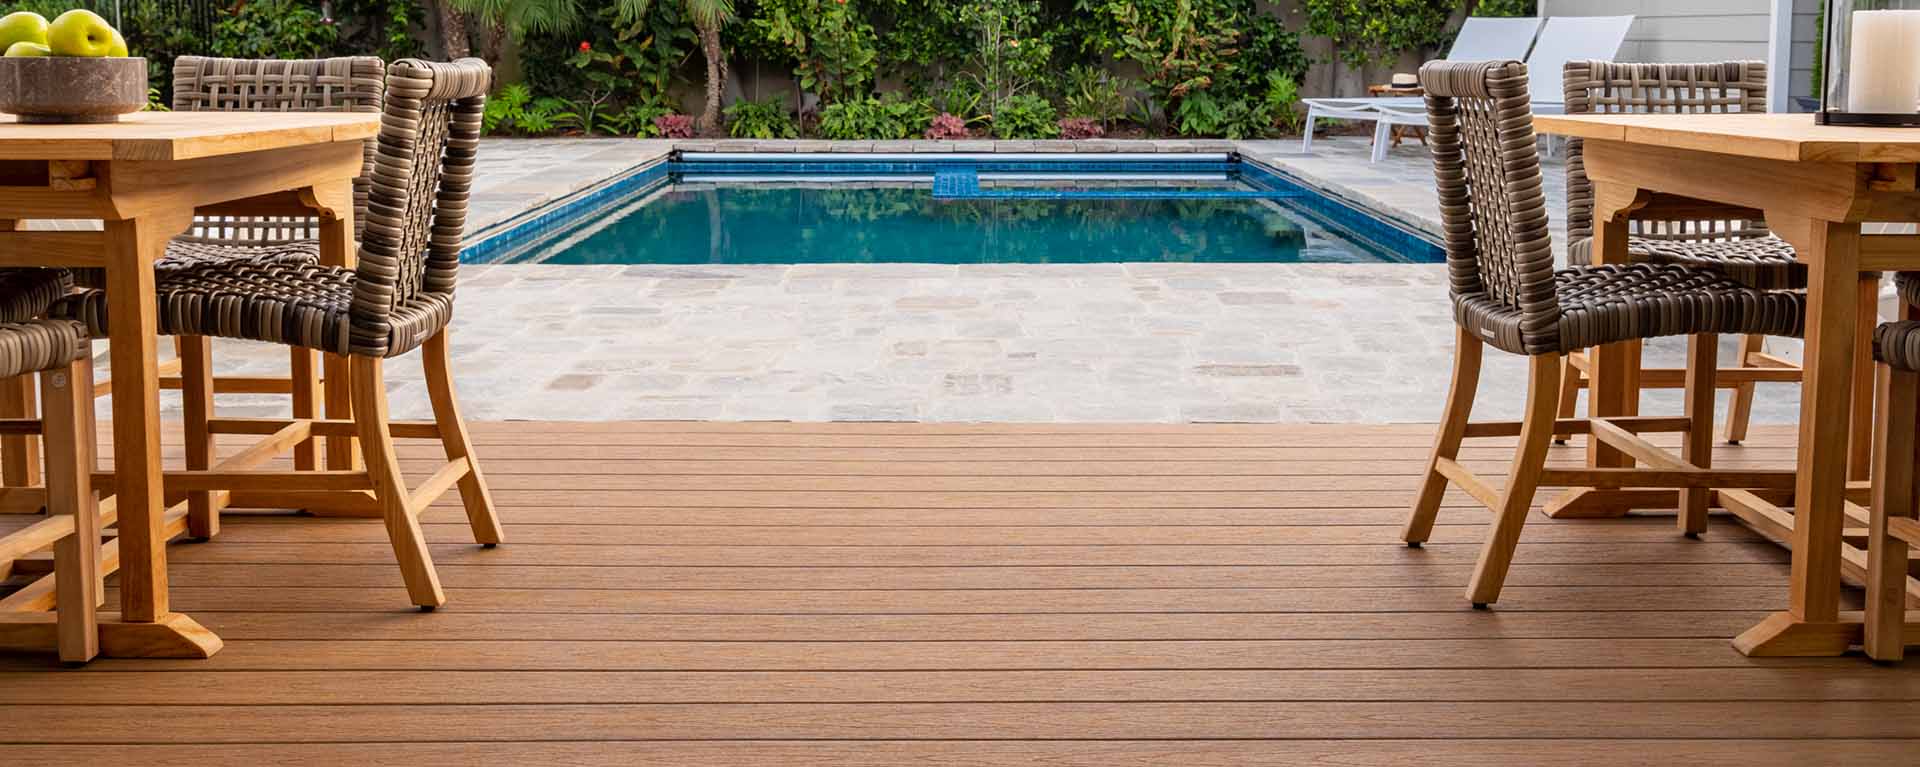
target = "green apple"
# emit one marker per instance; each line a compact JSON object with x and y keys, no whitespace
{"x":22,"y":27}
{"x":80,"y":32}
{"x":28,"y":48}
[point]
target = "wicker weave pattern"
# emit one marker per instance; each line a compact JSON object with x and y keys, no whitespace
{"x":1717,"y":87}
{"x":1499,"y":253}
{"x":1908,"y":286}
{"x":25,"y":293}
{"x":30,"y":347}
{"x":1491,"y":204}
{"x":401,"y":293}
{"x":344,"y":84}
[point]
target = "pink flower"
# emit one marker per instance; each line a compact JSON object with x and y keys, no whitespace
{"x":585,"y":46}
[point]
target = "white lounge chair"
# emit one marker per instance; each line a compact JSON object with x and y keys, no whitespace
{"x":1481,"y":38}
{"x":1562,"y":39}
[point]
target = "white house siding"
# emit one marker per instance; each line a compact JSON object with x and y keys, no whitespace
{"x":1682,"y":30}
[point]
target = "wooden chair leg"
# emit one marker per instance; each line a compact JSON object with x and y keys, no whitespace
{"x":369,"y":391}
{"x":196,"y":406}
{"x":69,"y":434}
{"x":1467,"y":353}
{"x":1740,"y":411}
{"x":474,"y":493}
{"x":1516,"y":501}
{"x":304,"y":370}
{"x":1569,"y":394}
{"x":19,"y":453}
{"x":1696,"y":444}
{"x":1894,"y":427}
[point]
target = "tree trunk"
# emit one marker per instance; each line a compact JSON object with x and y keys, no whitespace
{"x":716,"y":76}
{"x":453,"y":30}
{"x":496,"y":42}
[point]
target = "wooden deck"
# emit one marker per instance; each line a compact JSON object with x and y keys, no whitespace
{"x":831,"y":594}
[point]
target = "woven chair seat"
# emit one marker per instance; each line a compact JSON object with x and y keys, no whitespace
{"x":187,"y":252}
{"x":25,"y":293}
{"x":285,"y":301}
{"x":1765,"y":263}
{"x":30,"y":347}
{"x":1608,"y":304}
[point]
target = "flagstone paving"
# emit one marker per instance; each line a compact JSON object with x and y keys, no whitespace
{"x":1013,"y":342}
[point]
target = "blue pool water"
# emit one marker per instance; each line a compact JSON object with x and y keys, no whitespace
{"x":831,"y":210}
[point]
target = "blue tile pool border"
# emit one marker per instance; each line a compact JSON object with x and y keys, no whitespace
{"x":530,"y":229}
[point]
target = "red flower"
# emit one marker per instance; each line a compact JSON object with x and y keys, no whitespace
{"x":585,"y":46}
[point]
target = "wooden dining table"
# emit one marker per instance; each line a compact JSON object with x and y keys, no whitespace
{"x":144,"y":179}
{"x":1814,"y":186}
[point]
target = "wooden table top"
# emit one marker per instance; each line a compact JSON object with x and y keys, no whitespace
{"x":181,"y":135}
{"x":1791,"y":137}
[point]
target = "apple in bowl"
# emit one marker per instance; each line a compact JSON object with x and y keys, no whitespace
{"x":74,"y":69}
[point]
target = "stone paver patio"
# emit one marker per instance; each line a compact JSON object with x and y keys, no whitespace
{"x":1015,"y":342}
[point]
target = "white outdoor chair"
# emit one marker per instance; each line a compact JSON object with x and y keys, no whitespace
{"x":1481,"y":38}
{"x":1562,"y":39}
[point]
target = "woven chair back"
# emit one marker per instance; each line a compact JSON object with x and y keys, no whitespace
{"x":343,"y":84}
{"x":1606,"y":87}
{"x":417,"y":209}
{"x":1492,"y":206}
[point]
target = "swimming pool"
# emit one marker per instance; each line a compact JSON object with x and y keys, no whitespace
{"x":951,"y":209}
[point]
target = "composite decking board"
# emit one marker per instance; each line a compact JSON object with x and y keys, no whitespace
{"x":966,"y":721}
{"x":812,"y":594}
{"x":279,"y":688}
{"x":893,"y":753}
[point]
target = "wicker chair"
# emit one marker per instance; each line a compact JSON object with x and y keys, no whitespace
{"x":398,"y":298}
{"x":59,"y":351}
{"x":1507,"y":293}
{"x":1743,"y":250}
{"x":204,"y":84}
{"x":1893,"y":526}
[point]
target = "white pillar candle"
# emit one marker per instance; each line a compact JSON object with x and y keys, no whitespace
{"x":1883,"y":66}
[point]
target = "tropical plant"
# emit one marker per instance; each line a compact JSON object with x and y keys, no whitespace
{"x":767,"y":118}
{"x":832,"y":46}
{"x":1081,"y":127}
{"x":1506,"y":8}
{"x":1365,"y":31}
{"x":1282,"y":103}
{"x":274,"y":29}
{"x":1095,"y":94}
{"x":947,"y":126}
{"x":1025,"y":116}
{"x":1181,"y":46}
{"x":876,"y":118}
{"x":1008,"y":59}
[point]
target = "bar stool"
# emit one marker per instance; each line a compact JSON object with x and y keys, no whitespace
{"x":1507,"y":293}
{"x":398,"y":298}
{"x":1893,"y":525}
{"x":59,"y":351}
{"x":1744,"y":250}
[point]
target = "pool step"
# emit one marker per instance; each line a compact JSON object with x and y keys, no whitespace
{"x":956,"y":182}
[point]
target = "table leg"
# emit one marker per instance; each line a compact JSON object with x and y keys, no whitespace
{"x":19,"y":453}
{"x":1860,"y":445}
{"x":337,"y":249}
{"x":147,"y":625}
{"x":1812,"y":625}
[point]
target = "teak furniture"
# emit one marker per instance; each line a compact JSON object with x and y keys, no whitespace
{"x":1893,"y":527}
{"x":1740,"y":248}
{"x":1506,"y":293}
{"x":59,"y":351}
{"x":1814,"y":186}
{"x":145,"y":177}
{"x":398,"y":298}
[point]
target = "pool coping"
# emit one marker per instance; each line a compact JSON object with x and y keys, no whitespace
{"x":528,"y":225}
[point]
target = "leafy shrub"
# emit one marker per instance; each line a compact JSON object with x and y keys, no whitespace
{"x":1283,"y":102}
{"x":1365,"y":31}
{"x":872,"y":118}
{"x":832,"y":46}
{"x":1095,"y":94}
{"x":274,"y":29}
{"x":947,"y":127}
{"x":1081,"y":127}
{"x":767,"y":118}
{"x":514,"y":110}
{"x":1506,"y":8}
{"x":1025,"y":116}
{"x":673,"y":126}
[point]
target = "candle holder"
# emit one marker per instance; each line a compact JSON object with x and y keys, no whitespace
{"x":1871,"y":64}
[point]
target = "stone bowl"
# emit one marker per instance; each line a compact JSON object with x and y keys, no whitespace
{"x":71,"y":89}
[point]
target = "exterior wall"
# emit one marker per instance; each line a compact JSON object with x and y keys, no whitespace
{"x":1805,"y":18}
{"x":1683,"y":30}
